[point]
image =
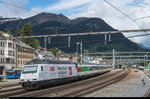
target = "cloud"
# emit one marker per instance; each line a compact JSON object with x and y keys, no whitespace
{"x":18,"y":2}
{"x":116,"y":19}
{"x":67,"y":4}
{"x":91,"y":8}
{"x":12,"y":11}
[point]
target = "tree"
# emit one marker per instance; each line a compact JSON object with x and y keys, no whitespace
{"x":54,"y":51}
{"x":27,"y":31}
{"x":8,"y":32}
{"x":18,"y":32}
{"x":35,"y":43}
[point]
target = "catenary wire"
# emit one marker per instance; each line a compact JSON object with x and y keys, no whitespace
{"x":140,"y":7}
{"x":20,"y":7}
{"x":124,"y":14}
{"x":143,"y":12}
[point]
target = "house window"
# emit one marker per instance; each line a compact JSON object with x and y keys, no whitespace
{"x":1,"y":52}
{"x":2,"y":44}
{"x":10,"y":45}
{"x":8,"y":60}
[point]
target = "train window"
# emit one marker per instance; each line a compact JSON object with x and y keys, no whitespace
{"x":18,"y":71}
{"x":80,"y":69}
{"x":41,"y":68}
{"x":10,"y":73}
{"x":94,"y":68}
{"x":30,"y":69}
{"x":101,"y":67}
{"x":90,"y":68}
{"x":84,"y":68}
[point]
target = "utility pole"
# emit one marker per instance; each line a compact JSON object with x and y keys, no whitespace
{"x":109,"y":37}
{"x":113,"y":58}
{"x":56,"y":53}
{"x":77,"y":53}
{"x":49,"y":40}
{"x":105,"y":39}
{"x":81,"y":50}
{"x":45,"y":42}
{"x":69,"y":41}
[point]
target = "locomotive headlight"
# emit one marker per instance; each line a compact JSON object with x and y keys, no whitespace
{"x":22,"y":79}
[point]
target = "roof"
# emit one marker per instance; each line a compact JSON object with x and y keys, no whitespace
{"x":86,"y":64}
{"x":64,"y":55}
{"x":21,"y":44}
{"x":47,"y":61}
{"x":1,"y":35}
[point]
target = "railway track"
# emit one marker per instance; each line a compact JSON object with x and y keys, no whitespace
{"x":8,"y":85}
{"x":148,"y":93}
{"x":10,"y":89}
{"x":89,"y":87}
{"x":75,"y":89}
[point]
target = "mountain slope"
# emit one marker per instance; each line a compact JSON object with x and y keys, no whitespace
{"x":47,"y":23}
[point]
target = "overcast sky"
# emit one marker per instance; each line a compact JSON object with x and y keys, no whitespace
{"x":87,"y":8}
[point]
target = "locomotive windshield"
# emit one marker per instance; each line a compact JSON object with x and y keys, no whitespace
{"x":30,"y":69}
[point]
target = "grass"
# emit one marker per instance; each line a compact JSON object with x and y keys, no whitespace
{"x":3,"y":81}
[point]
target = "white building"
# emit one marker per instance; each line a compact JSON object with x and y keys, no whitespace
{"x":44,"y":54}
{"x":64,"y":57}
{"x":7,"y":53}
{"x":96,"y":61}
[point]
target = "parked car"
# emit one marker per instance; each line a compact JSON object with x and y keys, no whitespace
{"x":141,"y":67}
{"x":1,"y":78}
{"x":134,"y":66}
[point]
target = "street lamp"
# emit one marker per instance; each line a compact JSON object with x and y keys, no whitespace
{"x":77,"y":52}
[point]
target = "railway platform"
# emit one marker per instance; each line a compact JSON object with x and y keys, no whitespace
{"x":9,"y":83}
{"x":130,"y":86}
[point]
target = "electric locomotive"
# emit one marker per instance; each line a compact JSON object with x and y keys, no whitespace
{"x":44,"y":72}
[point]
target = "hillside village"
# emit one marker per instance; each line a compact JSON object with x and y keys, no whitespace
{"x":14,"y":54}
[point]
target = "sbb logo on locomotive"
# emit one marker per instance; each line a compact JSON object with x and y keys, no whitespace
{"x":70,"y":70}
{"x":52,"y":68}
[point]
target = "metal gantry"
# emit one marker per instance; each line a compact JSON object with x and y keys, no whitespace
{"x":122,"y":57}
{"x":119,"y":56}
{"x":81,"y":34}
{"x":87,"y":33}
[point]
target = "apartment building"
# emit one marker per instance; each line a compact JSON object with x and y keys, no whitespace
{"x":7,"y":53}
{"x":25,"y":53}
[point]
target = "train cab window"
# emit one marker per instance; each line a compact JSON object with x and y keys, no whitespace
{"x":30,"y":69}
{"x":41,"y":68}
